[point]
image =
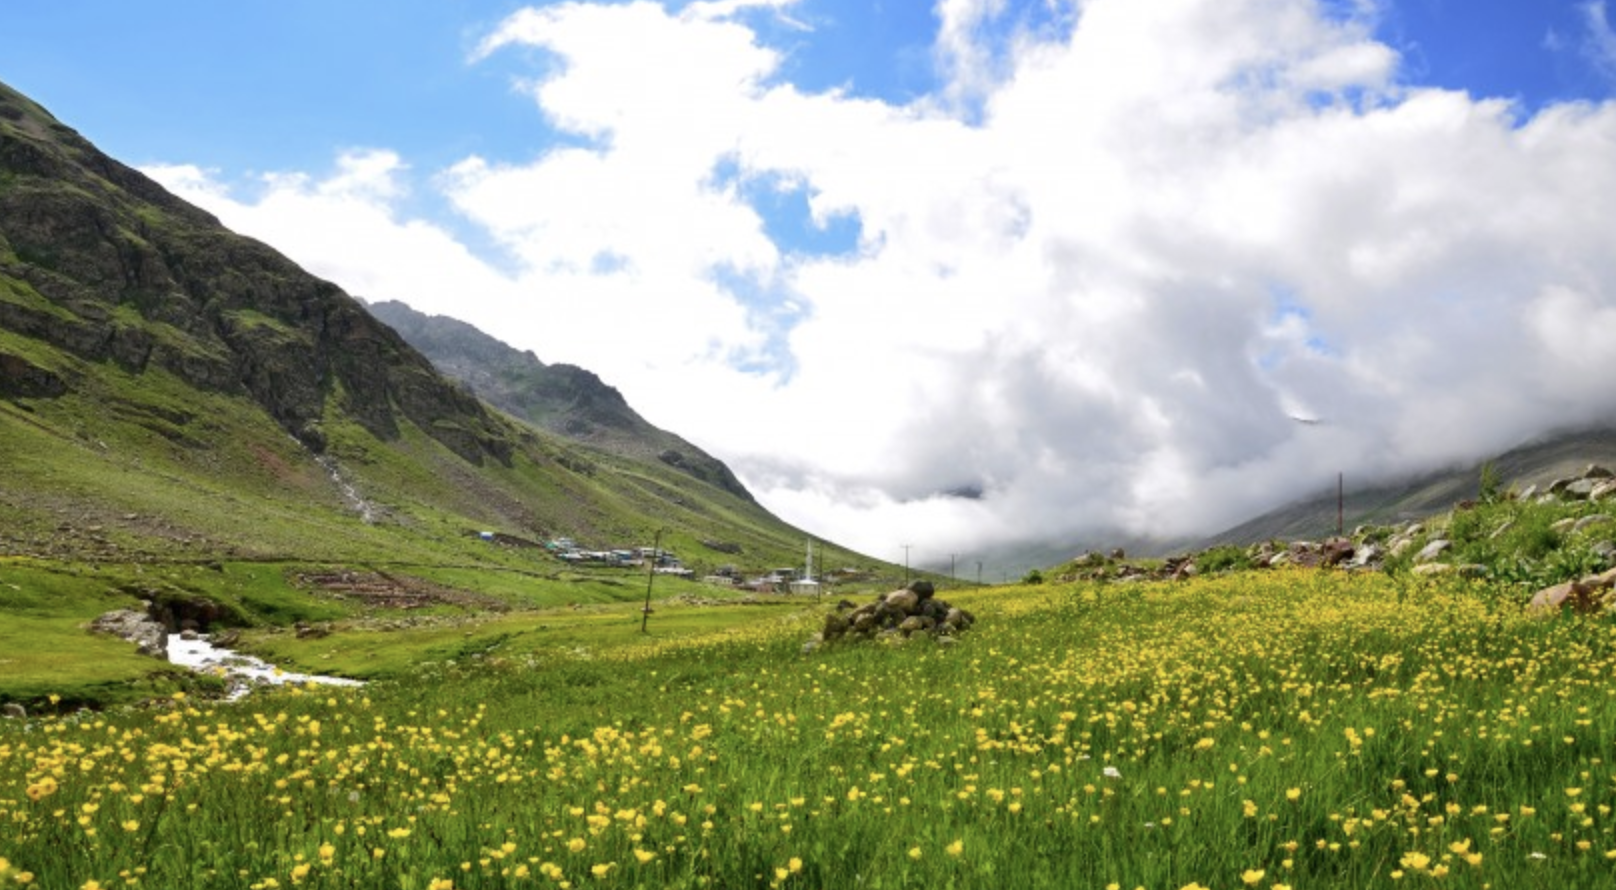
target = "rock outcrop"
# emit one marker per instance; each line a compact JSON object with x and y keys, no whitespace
{"x":149,"y":636}
{"x":101,"y":262}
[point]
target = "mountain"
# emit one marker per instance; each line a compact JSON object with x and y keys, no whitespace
{"x":565,"y":399}
{"x":1538,"y":462}
{"x":171,"y":389}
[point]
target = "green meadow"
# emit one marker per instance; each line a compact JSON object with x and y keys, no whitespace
{"x":1281,"y":729}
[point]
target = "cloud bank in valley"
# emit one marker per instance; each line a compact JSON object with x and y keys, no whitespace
{"x":1088,"y":282}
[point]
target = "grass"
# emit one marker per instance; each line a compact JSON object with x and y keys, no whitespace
{"x":1521,"y":546}
{"x":472,"y":610}
{"x":1256,"y":729}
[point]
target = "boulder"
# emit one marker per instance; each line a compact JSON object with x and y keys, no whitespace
{"x":1581,"y":489}
{"x":921,"y":589}
{"x":1589,"y":521}
{"x":1582,"y":598}
{"x":13,"y":711}
{"x":1432,"y":550}
{"x":1604,"y":491}
{"x":1336,"y":551}
{"x":1366,"y":556}
{"x":905,"y":601}
{"x":916,"y":624}
{"x":150,"y":637}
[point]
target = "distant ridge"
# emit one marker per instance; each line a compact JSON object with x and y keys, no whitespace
{"x":565,"y":399}
{"x":1534,"y":463}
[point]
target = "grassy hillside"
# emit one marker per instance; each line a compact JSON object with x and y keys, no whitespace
{"x":189,"y":419}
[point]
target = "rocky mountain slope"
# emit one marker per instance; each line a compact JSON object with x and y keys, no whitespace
{"x":1553,"y":456}
{"x":170,"y":388}
{"x":565,"y":399}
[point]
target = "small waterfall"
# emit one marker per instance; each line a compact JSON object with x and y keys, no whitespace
{"x":356,"y":501}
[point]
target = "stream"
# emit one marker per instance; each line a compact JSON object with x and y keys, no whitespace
{"x":248,"y":672}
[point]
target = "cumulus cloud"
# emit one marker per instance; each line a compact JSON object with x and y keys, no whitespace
{"x":1094,"y":302}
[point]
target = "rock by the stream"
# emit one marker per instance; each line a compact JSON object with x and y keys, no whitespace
{"x":898,"y":615}
{"x":150,"y":637}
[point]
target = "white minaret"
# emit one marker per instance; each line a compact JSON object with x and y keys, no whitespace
{"x":808,"y":574}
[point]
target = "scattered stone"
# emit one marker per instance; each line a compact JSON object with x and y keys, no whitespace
{"x":13,"y":711}
{"x":1588,"y":521}
{"x":1429,"y":569}
{"x":1336,"y":551}
{"x":1365,"y":556}
{"x":1581,"y":489}
{"x":1432,"y":550}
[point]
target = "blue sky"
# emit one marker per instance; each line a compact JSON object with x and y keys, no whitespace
{"x":872,"y":253}
{"x":277,"y":84}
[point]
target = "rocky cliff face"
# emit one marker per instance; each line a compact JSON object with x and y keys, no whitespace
{"x":98,"y":260}
{"x":564,"y":399}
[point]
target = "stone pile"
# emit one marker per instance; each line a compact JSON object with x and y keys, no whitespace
{"x":910,"y":611}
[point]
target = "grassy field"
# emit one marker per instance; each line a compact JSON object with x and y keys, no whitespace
{"x":1289,"y":729}
{"x":535,"y":605}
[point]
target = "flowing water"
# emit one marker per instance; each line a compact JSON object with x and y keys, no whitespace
{"x":201,"y":655}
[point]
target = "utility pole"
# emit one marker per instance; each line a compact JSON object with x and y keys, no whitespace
{"x":1340,"y":505}
{"x":979,"y":573}
{"x":906,"y":565}
{"x":650,"y":578}
{"x":951,"y":569}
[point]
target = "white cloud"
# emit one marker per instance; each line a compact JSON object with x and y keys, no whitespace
{"x":1599,"y":44}
{"x":1098,"y":298}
